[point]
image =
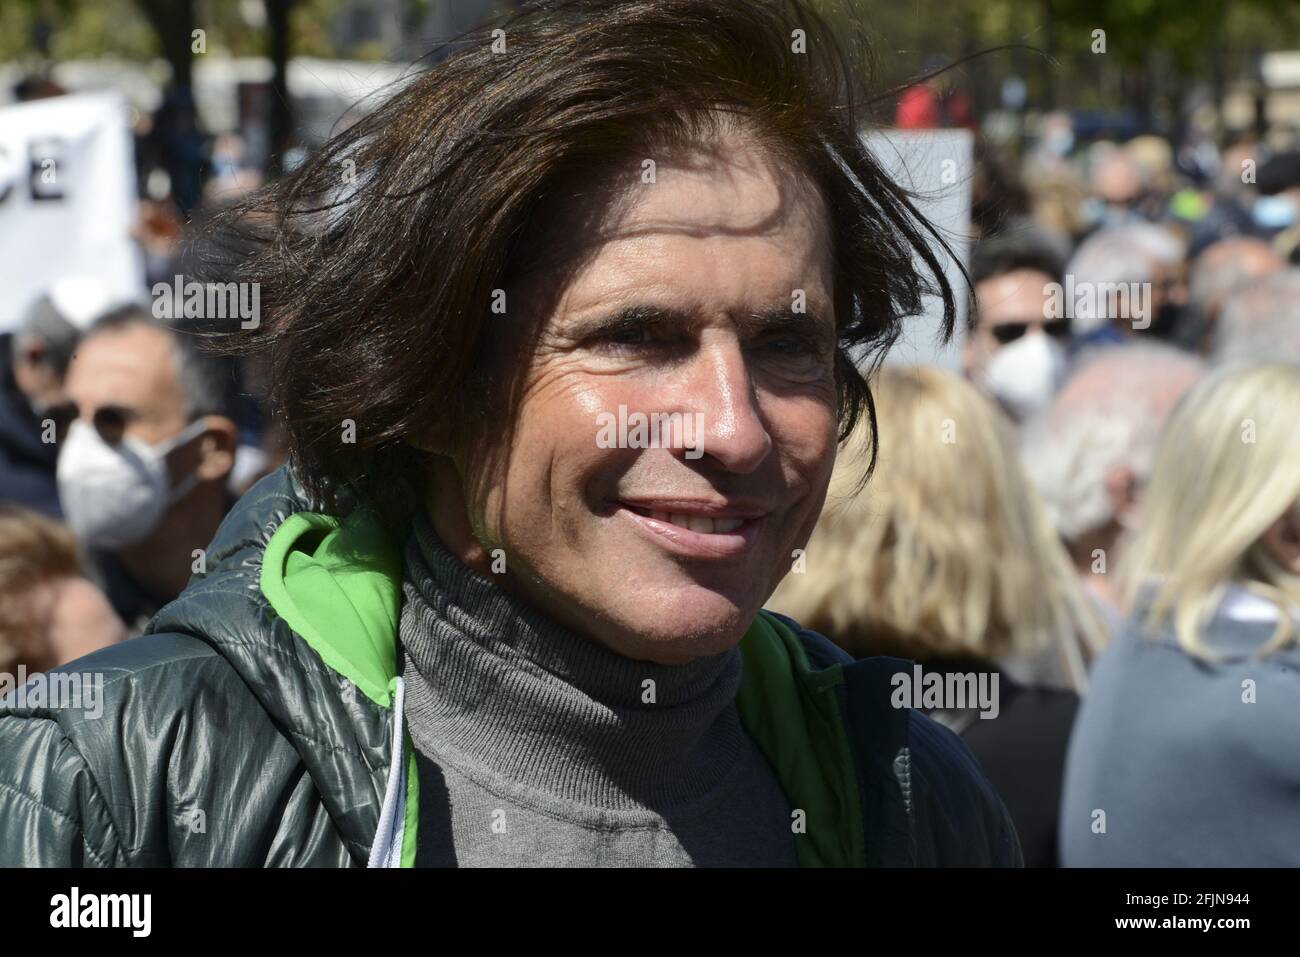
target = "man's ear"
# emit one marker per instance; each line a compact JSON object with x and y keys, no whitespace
{"x":216,"y":448}
{"x":1282,"y":539}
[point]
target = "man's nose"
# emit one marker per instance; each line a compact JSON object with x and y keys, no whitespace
{"x":720,"y":390}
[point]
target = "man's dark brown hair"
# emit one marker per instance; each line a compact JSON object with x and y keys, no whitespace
{"x":379,"y":258}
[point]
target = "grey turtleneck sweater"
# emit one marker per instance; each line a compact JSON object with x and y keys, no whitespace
{"x":536,"y":746}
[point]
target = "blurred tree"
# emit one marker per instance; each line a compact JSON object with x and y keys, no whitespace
{"x":72,"y":30}
{"x":1156,"y":51}
{"x":1164,"y":49}
{"x":133,"y":29}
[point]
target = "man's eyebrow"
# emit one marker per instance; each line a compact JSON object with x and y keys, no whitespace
{"x":628,"y":319}
{"x":782,"y":318}
{"x":776,"y":318}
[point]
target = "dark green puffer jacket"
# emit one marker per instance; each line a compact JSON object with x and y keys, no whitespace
{"x":259,"y":722}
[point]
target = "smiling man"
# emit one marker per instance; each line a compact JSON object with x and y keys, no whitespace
{"x":681,"y":303}
{"x":463,"y":629}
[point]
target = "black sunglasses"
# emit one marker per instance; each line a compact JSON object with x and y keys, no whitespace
{"x":1011,"y":331}
{"x":109,"y":421}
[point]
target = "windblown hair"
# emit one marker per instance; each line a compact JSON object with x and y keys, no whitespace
{"x":1227,"y":468}
{"x":948,"y":553}
{"x":378,"y":259}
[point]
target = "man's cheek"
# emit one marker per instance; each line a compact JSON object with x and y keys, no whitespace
{"x":809,"y":507}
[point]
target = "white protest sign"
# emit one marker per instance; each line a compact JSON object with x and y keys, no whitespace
{"x":67,"y":199}
{"x":937,"y":165}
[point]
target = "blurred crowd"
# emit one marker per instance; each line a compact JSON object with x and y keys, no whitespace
{"x":1101,"y":505}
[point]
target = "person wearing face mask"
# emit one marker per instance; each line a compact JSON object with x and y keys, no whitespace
{"x":1125,"y":281}
{"x":1276,"y":213}
{"x":1015,"y":348}
{"x":146,"y":442}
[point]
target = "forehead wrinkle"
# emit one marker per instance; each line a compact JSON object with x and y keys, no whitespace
{"x":793,"y":201}
{"x":584,"y":222}
{"x":633,"y":266}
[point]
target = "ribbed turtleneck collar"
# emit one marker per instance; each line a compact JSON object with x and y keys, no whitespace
{"x":494,"y":684}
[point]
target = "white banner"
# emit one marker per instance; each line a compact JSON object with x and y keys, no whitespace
{"x":67,"y":199}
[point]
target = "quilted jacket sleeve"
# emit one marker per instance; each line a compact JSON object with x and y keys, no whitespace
{"x":168,"y":762}
{"x":89,"y":753}
{"x":52,"y":814}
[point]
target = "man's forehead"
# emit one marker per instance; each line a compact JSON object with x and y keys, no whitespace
{"x":1012,"y":290}
{"x":704,"y":291}
{"x":1019,"y":282}
{"x":135,"y":363}
{"x":745,"y":193}
{"x":696,"y":259}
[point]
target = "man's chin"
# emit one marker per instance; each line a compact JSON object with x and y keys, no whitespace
{"x":696,"y":624}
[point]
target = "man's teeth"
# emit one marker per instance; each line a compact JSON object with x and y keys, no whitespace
{"x":699,"y":523}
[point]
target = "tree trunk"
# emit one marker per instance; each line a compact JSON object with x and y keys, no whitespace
{"x":281,"y":119}
{"x":173,"y":21}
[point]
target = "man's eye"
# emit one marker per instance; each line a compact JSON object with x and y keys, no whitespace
{"x":628,"y":337}
{"x":631,"y":339}
{"x":793,"y":346}
{"x":788,"y":346}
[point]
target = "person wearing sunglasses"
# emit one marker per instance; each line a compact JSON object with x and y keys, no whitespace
{"x":1016,"y":342}
{"x":146,"y":441}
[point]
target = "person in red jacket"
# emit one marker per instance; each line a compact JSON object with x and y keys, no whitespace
{"x":934,"y":103}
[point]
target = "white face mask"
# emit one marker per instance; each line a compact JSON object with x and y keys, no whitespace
{"x":1274,"y":212}
{"x":114,"y":496}
{"x":1024,"y":375}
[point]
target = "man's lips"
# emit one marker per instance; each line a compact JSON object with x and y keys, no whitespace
{"x":695,"y":528}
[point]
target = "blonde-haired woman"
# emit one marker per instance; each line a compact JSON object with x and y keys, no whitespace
{"x":1187,"y":751}
{"x":947,"y":558}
